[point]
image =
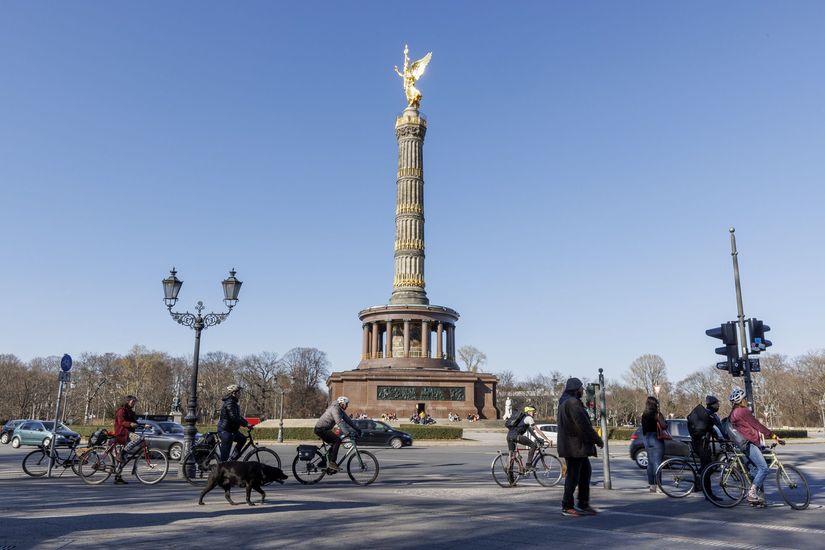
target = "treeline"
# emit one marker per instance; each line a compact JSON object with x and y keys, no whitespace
{"x":99,"y":382}
{"x":787,"y":391}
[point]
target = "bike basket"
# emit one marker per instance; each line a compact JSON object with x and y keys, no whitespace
{"x":306,"y":452}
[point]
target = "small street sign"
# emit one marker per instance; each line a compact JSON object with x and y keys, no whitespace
{"x":66,"y":362}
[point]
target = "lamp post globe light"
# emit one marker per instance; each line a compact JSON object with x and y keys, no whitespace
{"x":198,"y":322}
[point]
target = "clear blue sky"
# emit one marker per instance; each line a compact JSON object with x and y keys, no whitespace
{"x":583,"y":163}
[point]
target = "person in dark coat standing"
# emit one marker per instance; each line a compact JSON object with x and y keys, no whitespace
{"x":576,"y":443}
{"x":230,"y":423}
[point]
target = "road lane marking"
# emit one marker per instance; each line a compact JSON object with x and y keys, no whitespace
{"x":768,"y":526}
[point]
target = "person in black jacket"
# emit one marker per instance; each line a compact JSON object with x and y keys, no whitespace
{"x":577,"y":442}
{"x":230,"y":423}
{"x":704,"y":426}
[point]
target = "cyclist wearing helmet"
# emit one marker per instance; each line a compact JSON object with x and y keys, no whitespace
{"x":746,"y":424}
{"x":516,"y":435}
{"x":230,"y":423}
{"x":335,"y":415}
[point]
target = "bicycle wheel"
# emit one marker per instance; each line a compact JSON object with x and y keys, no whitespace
{"x":501,"y":470}
{"x":97,"y":466}
{"x":197,"y":464}
{"x":548,"y":470}
{"x":793,"y":486}
{"x":726,"y":484}
{"x":676,"y":477}
{"x":78,"y":460}
{"x":309,"y":472}
{"x":36,"y":463}
{"x":151,"y":466}
{"x":362,"y":467}
{"x":264,"y":456}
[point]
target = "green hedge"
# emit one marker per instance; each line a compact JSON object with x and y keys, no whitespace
{"x":622,"y":434}
{"x":432,"y":432}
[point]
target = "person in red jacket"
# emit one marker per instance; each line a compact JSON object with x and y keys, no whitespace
{"x":746,"y":424}
{"x":125,"y":423}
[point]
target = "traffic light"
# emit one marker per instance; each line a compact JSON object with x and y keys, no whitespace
{"x":727,"y":333}
{"x":757,"y":330}
{"x":590,"y":401}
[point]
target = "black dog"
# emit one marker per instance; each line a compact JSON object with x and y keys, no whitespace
{"x":251,"y":475}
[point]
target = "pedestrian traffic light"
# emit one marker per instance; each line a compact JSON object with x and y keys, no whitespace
{"x":590,"y":401}
{"x":727,"y":333}
{"x":757,"y":330}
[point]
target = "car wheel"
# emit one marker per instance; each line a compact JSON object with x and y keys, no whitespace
{"x":396,"y":443}
{"x":47,"y":441}
{"x":175,"y":451}
{"x":641,"y":458}
{"x":4,"y":438}
{"x":15,"y":442}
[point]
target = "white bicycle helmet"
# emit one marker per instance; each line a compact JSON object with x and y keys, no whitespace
{"x":736,"y":396}
{"x":233,"y":388}
{"x":343,"y":400}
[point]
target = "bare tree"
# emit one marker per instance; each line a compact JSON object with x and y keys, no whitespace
{"x":307,"y":368}
{"x":472,"y":358}
{"x":647,"y":371}
{"x":259,"y":374}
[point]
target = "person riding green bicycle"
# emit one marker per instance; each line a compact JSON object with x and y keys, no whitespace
{"x":526,"y":423}
{"x":335,"y":415}
{"x":742,"y":419}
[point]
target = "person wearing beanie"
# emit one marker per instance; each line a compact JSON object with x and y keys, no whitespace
{"x":704,"y":427}
{"x":576,"y":443}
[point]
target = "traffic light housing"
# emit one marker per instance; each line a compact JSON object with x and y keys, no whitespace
{"x":757,"y":330}
{"x":590,"y":401}
{"x":727,"y":333}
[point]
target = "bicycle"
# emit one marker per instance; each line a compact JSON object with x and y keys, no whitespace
{"x":677,"y":477}
{"x":36,"y":463}
{"x":508,"y":468}
{"x":309,"y":465}
{"x":199,"y":461}
{"x":733,"y":479}
{"x":150,"y":466}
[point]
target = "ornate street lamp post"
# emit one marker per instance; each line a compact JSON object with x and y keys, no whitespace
{"x":197,"y":322}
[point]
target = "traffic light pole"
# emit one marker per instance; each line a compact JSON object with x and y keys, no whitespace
{"x":605,"y":454}
{"x":743,"y":340}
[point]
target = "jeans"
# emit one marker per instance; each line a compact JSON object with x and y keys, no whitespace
{"x":655,"y":451}
{"x":227,"y":438}
{"x":578,"y":475}
{"x":758,"y":465}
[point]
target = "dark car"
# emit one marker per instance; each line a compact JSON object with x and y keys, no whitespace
{"x":8,"y":429}
{"x":163,"y":435}
{"x":678,"y":446}
{"x":375,"y":432}
{"x":39,"y":432}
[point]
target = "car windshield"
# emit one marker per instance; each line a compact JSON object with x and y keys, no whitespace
{"x":49,"y":425}
{"x":171,"y":427}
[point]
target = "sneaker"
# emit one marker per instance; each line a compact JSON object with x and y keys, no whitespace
{"x":754,"y":498}
{"x":587,"y":511}
{"x":571,"y":513}
{"x":333,"y":468}
{"x":120,"y":481}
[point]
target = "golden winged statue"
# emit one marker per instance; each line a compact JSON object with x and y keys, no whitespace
{"x":412,"y":72}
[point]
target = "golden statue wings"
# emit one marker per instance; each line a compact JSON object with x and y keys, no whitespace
{"x":412,"y":72}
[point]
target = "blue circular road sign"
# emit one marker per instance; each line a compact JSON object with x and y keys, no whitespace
{"x":66,"y":362}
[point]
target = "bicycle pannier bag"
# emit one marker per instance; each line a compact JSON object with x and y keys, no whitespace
{"x":98,"y":437}
{"x":306,"y":452}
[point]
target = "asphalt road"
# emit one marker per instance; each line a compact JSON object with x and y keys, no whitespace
{"x":438,"y":496}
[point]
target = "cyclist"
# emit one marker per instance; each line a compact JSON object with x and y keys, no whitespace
{"x":704,"y":426}
{"x":230,"y":423}
{"x":518,"y":431}
{"x":125,"y":424}
{"x":335,"y":415}
{"x":746,"y":424}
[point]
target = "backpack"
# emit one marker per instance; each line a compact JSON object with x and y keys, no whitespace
{"x":514,"y":421}
{"x":699,"y":422}
{"x":733,"y":434}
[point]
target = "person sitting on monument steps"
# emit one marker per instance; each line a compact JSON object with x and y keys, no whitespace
{"x":230,"y":422}
{"x":520,"y":425}
{"x":335,"y":415}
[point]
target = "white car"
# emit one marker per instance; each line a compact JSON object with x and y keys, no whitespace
{"x":550,"y":430}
